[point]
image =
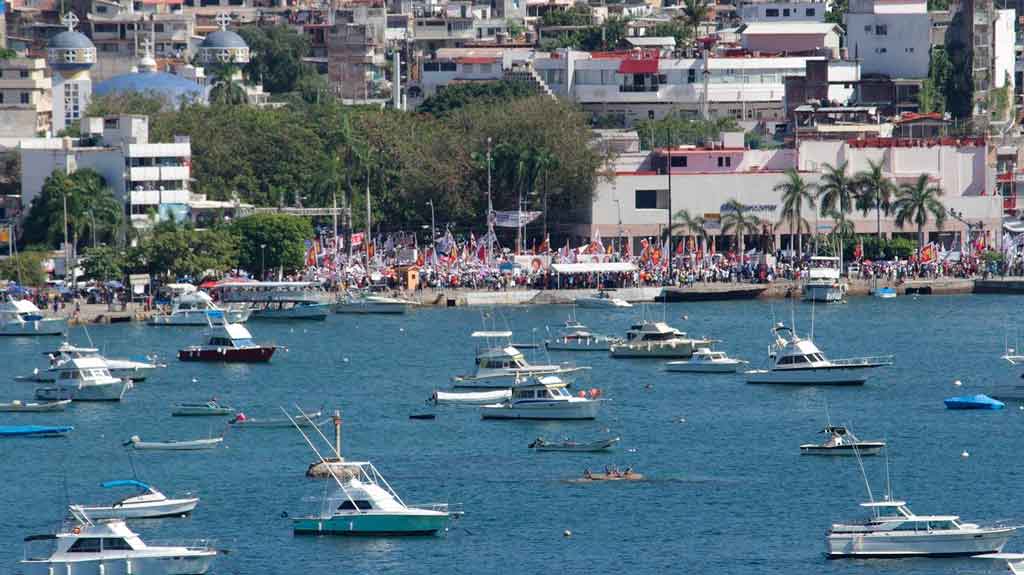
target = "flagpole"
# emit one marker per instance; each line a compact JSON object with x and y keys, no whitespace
{"x":490,"y":207}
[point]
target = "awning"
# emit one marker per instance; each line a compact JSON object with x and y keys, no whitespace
{"x":645,"y":66}
{"x":1014,"y":226}
{"x":605,"y":268}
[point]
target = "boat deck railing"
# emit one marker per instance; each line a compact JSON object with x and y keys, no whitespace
{"x":450,"y":508}
{"x":859,"y":361}
{"x":190,"y":544}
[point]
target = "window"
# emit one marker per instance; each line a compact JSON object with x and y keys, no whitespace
{"x":26,"y":98}
{"x":771,"y":13}
{"x":867,"y":29}
{"x":880,"y":50}
{"x":809,"y":12}
{"x":691,"y":76}
{"x":115,"y":544}
{"x":650,"y":114}
{"x":447,"y":66}
{"x":23,"y":73}
{"x":486,"y":69}
{"x":86,"y":545}
{"x":724,"y":162}
{"x":110,"y":123}
{"x":678,"y":161}
{"x":359,"y":504}
{"x":159,"y":28}
{"x":467,"y":68}
{"x":1,"y":97}
{"x":431,"y":66}
{"x":881,"y":30}
{"x":910,"y":50}
{"x":651,"y":199}
{"x":785,"y":12}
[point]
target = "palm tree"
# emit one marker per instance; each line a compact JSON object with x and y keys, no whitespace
{"x":913,"y":204}
{"x":737,"y":217}
{"x":795,"y":193}
{"x":876,"y":192}
{"x":693,"y":225}
{"x":695,"y":12}
{"x":227,"y":90}
{"x":545,"y":161}
{"x":837,"y":194}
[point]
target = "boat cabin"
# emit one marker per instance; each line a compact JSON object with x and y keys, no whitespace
{"x":20,"y":310}
{"x":86,"y":537}
{"x":501,"y":358}
{"x":232,"y":335}
{"x":365,"y":490}
{"x":896,"y":516}
{"x":652,"y":331}
{"x":705,"y":354}
{"x":823,"y":268}
{"x":540,"y":391}
{"x":792,"y":352}
{"x":84,"y":368}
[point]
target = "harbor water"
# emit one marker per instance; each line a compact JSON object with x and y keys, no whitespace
{"x":727,"y":490}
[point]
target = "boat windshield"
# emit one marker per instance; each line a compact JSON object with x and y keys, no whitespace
{"x":360,"y":504}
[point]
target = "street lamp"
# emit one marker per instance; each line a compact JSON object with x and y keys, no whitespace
{"x":959,"y":216}
{"x":263,"y":261}
{"x":92,"y":217}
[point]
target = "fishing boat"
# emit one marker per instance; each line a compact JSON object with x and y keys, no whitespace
{"x":469,"y":397}
{"x":704,"y":360}
{"x":147,"y":503}
{"x":329,"y":467}
{"x":174,"y":445}
{"x":885,"y":293}
{"x":228,"y":343}
{"x":207,"y":408}
{"x":1014,"y":561}
{"x":797,"y":361}
{"x":602,"y":299}
{"x":657,"y":339}
{"x":576,"y":337}
{"x":193,"y":309}
{"x":498,"y":365}
{"x":84,"y":379}
{"x":367,"y":302}
{"x":133,"y":369}
{"x":365,"y":503}
{"x":841,"y":441}
{"x":541,"y":444}
{"x":109,"y":547}
{"x":34,"y":407}
{"x":823,"y":281}
{"x":20,"y":317}
{"x":979,"y":401}
{"x":35,"y":430}
{"x":544,"y":397}
{"x":311,"y":419}
{"x":277,"y":300}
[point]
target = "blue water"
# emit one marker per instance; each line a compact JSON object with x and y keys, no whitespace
{"x":728,"y":490}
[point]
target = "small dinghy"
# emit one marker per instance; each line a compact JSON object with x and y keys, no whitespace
{"x":34,"y":407}
{"x":175,"y":445}
{"x":885,"y":293}
{"x":610,"y":474}
{"x":541,"y":444}
{"x":980,"y":401}
{"x":147,"y":503}
{"x":310,"y":419}
{"x":469,"y":397}
{"x":34,"y":430}
{"x":212,"y":407}
{"x":841,"y":441}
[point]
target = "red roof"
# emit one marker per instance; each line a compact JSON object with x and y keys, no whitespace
{"x":913,"y":117}
{"x":641,"y":66}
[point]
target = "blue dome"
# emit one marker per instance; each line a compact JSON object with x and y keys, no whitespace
{"x":173,"y":88}
{"x":223,"y":39}
{"x":69,"y":39}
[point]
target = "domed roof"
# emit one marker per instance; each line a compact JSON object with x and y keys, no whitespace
{"x":223,"y":39}
{"x":173,"y":88}
{"x":70,"y":40}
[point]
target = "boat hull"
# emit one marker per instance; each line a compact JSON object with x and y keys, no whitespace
{"x":425,"y":523}
{"x":195,"y":445}
{"x":35,"y":430}
{"x":542,"y":410}
{"x":849,"y":449}
{"x":508,"y":379}
{"x":190,"y":564}
{"x":824,"y":293}
{"x":154,"y":510}
{"x":702,"y":367}
{"x":314,"y":312}
{"x":228,"y":355}
{"x":372,"y":308}
{"x":201,"y":411}
{"x":681,"y":350}
{"x":600,"y":303}
{"x":592,"y":447}
{"x":46,"y":326}
{"x":596,"y":344}
{"x":198,"y":318}
{"x":814,"y":376}
{"x":917,"y":544}
{"x":59,"y":405}
{"x":96,"y":392}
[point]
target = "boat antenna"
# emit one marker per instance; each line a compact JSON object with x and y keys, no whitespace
{"x":812,"y":320}
{"x":327,"y":465}
{"x":888,"y":480}
{"x":863,"y":474}
{"x":828,"y":416}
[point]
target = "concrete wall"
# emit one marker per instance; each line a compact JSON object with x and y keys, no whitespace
{"x":902,"y":52}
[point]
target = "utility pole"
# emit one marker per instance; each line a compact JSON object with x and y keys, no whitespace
{"x":67,"y":254}
{"x":669,"y":171}
{"x":366,"y":240}
{"x":490,"y":207}
{"x":433,"y":245}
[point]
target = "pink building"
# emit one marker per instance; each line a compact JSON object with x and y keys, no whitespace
{"x":818,"y":38}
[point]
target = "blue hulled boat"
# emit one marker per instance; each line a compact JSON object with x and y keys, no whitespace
{"x":980,"y":401}
{"x":34,"y":430}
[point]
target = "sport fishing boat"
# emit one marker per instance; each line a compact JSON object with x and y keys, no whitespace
{"x":208,"y":408}
{"x":797,"y":361}
{"x":545,"y":397}
{"x":147,"y":503}
{"x":841,"y":441}
{"x":22,"y":317}
{"x":823,"y":281}
{"x":366,"y":302}
{"x":84,"y":379}
{"x":277,"y":300}
{"x":657,"y":339}
{"x":228,"y":342}
{"x":576,"y":337}
{"x":33,"y":407}
{"x":704,"y":360}
{"x":541,"y":444}
{"x":498,"y":366}
{"x":135,"y":370}
{"x":893,"y":530}
{"x":601,"y":300}
{"x":109,"y":547}
{"x":193,"y":309}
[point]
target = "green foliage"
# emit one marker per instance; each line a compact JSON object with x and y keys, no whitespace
{"x":28,"y":266}
{"x":577,"y":15}
{"x":959,"y":86}
{"x":456,"y":96}
{"x":999,"y":102}
{"x":738,"y":218}
{"x":682,"y":130}
{"x":104,"y":263}
{"x":837,"y":12}
{"x":7,"y":53}
{"x":118,"y":103}
{"x":795,"y":193}
{"x":276,"y":61}
{"x":282,"y":236}
{"x":91,"y":209}
{"x":10,"y":173}
{"x":915,"y":201}
{"x":515,"y":27}
{"x":695,"y":11}
{"x":901,"y":248}
{"x":676,"y":29}
{"x":175,"y":251}
{"x":932,"y":97}
{"x":938,"y":5}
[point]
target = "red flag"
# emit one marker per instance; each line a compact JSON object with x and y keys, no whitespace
{"x":679,"y":247}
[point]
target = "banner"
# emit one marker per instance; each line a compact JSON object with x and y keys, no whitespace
{"x":534,"y":263}
{"x":510,"y":219}
{"x":357,"y":239}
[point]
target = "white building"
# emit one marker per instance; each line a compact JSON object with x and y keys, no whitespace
{"x":147,"y":177}
{"x":783,"y":12}
{"x":71,"y":55}
{"x":890,"y":37}
{"x":26,"y":98}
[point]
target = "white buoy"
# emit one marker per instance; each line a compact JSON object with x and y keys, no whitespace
{"x":344,"y":360}
{"x":682,"y":420}
{"x":965,"y":455}
{"x":957,"y":383}
{"x":631,"y":450}
{"x":195,"y":380}
{"x":567,"y":533}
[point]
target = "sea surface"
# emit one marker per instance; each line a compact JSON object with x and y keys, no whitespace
{"x":728,"y":491}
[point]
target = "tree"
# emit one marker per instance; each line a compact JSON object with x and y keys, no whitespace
{"x":92,"y":209}
{"x":695,"y":11}
{"x":674,"y":28}
{"x":118,"y":103}
{"x":875,"y":191}
{"x":837,"y":194}
{"x":227,"y":90}
{"x":178,"y":251}
{"x":457,"y":96}
{"x":682,"y":131}
{"x":282,"y":237}
{"x":738,"y":218}
{"x":577,"y":15}
{"x":277,"y":53}
{"x":25,"y":268}
{"x":694,"y":225}
{"x":607,"y":36}
{"x":837,"y":14}
{"x":932,"y":97}
{"x":104,"y":263}
{"x":796,"y":193}
{"x":913,"y":204}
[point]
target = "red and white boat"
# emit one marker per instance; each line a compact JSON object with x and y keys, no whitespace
{"x":228,"y":342}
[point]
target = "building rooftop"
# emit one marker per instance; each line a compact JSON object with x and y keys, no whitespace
{"x":766,"y":28}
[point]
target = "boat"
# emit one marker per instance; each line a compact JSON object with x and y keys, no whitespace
{"x":174,"y":445}
{"x":541,"y":444}
{"x":498,"y":366}
{"x":797,"y":361}
{"x":469,"y":397}
{"x":710,"y":292}
{"x":147,"y":503}
{"x":842,"y":441}
{"x":1014,"y":561}
{"x":228,"y":342}
{"x":207,"y":408}
{"x":893,"y":530}
{"x":823,"y":281}
{"x":367,"y":302}
{"x":576,"y":337}
{"x":35,"y":430}
{"x":704,"y":360}
{"x":610,"y":474}
{"x":310,"y":419}
{"x":544,"y":397}
{"x":657,"y":339}
{"x":979,"y":401}
{"x":193,"y":309}
{"x":601,"y":300}
{"x":885,"y":293}
{"x":33,"y":407}
{"x":277,"y":300}
{"x":365,"y":503}
{"x":20,"y":317}
{"x":109,"y":547}
{"x":328,"y":467}
{"x":84,"y":379}
{"x":133,"y":369}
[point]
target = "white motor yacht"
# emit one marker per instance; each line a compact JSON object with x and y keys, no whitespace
{"x":842,"y":441}
{"x":193,"y":309}
{"x":110,"y":547}
{"x":657,"y":339}
{"x":22,"y":317}
{"x":544,"y":397}
{"x":893,"y":530}
{"x":601,"y":300}
{"x":148,"y":503}
{"x":135,"y":370}
{"x":823,"y":281}
{"x":576,"y":337}
{"x":706,"y":360}
{"x":366,"y":302}
{"x":499,"y":366}
{"x":797,"y":361}
{"x":84,"y":379}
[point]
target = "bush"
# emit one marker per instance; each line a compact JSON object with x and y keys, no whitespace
{"x":901,"y":248}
